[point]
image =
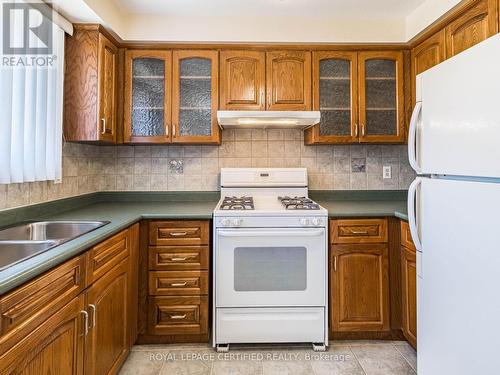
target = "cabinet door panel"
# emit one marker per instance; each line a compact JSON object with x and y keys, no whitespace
{"x":108,"y":55}
{"x":360,"y":288}
{"x":381,"y":97}
{"x":108,"y":340}
{"x":427,"y":54}
{"x":54,"y":347}
{"x":335,"y":88}
{"x":473,"y":26}
{"x":147,"y":96}
{"x":409,"y":284}
{"x":242,"y":80}
{"x":195,"y":97}
{"x":288,"y":81}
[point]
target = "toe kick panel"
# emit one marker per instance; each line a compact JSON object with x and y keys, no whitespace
{"x":258,"y":325}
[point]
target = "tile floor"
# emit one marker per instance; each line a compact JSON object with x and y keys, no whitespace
{"x":342,"y":358}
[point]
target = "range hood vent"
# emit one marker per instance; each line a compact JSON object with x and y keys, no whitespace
{"x":267,"y":119}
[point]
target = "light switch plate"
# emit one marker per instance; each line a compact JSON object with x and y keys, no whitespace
{"x":386,"y":172}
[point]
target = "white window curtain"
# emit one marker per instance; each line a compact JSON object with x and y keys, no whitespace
{"x":31,"y":109}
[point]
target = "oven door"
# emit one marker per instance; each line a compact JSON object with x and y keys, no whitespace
{"x":270,"y":267}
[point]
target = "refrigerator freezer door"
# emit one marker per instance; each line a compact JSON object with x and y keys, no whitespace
{"x":461,"y":114}
{"x":458,"y":287}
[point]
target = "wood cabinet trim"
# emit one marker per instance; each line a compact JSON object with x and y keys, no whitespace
{"x":213,"y":56}
{"x":166,"y":56}
{"x":406,"y":239}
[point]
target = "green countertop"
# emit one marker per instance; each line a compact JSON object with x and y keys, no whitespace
{"x":125,"y":209}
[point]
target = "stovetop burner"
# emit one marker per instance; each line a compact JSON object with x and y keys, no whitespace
{"x":237,"y":203}
{"x":298,"y":203}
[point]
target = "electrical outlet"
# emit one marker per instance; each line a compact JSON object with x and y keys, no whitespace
{"x":386,"y":172}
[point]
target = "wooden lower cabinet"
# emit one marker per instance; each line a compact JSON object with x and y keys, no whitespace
{"x":107,"y":305}
{"x":409,"y":294}
{"x":65,"y":323}
{"x":359,"y":282}
{"x":55,"y":347}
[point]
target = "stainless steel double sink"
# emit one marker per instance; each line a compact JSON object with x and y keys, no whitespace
{"x":23,"y":241}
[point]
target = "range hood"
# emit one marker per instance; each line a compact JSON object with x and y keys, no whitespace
{"x":267,"y":119}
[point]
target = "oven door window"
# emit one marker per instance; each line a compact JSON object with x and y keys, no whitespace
{"x":270,"y":269}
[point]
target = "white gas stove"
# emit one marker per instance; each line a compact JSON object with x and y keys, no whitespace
{"x":270,"y":259}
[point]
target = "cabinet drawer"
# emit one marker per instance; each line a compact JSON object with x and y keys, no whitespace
{"x":103,"y":257}
{"x":32,"y":303}
{"x":179,"y":283}
{"x":358,"y":231}
{"x":178,"y":315}
{"x":406,"y":239}
{"x":178,"y":258}
{"x":178,"y":233}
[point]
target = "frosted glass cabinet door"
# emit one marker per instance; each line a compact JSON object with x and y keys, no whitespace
{"x":147,"y":96}
{"x":195,"y":97}
{"x":335,"y":88}
{"x":381,"y":97}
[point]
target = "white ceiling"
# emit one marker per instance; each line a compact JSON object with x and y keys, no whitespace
{"x":279,"y":8}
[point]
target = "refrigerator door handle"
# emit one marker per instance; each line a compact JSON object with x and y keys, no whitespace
{"x":412,"y":218}
{"x":412,"y":138}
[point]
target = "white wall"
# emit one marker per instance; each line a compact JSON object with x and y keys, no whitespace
{"x":262,"y":29}
{"x":426,"y":14}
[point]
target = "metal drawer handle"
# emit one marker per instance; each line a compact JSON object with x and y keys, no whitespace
{"x":91,"y":306}
{"x":179,"y":284}
{"x":85,"y":322}
{"x":178,"y":316}
{"x":104,"y":129}
{"x":178,"y":234}
{"x":358,"y":231}
{"x":180,"y":259}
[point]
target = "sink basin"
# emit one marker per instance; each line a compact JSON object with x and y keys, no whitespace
{"x":20,"y":242}
{"x":12,"y":252}
{"x":49,"y":230}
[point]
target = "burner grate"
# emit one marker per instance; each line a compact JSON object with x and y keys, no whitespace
{"x":298,"y":203}
{"x":237,"y":203}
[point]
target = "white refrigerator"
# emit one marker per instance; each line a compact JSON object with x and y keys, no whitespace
{"x":454,"y":213}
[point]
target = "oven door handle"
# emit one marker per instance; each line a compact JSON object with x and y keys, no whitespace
{"x":239,"y":233}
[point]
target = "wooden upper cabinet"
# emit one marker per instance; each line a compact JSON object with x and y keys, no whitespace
{"x":90,"y":87}
{"x":359,"y":288}
{"x":242,"y":80}
{"x":381,"y":97}
{"x":335,"y":95}
{"x":288,"y":80}
{"x":427,"y":54}
{"x":148,"y":96}
{"x":195,"y":97}
{"x":475,"y":25}
{"x":108,"y":56}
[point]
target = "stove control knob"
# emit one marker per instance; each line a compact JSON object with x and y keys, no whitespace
{"x":237,"y":222}
{"x":225,"y":222}
{"x":304,"y":221}
{"x":317,"y":221}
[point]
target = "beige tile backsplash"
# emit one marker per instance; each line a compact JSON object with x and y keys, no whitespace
{"x":88,"y":168}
